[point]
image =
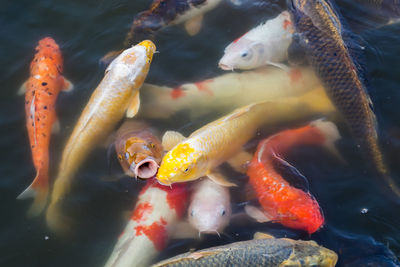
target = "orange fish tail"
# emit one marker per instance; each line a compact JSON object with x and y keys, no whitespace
{"x":39,"y":191}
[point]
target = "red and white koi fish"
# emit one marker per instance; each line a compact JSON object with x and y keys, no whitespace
{"x":41,"y":91}
{"x":281,"y":202}
{"x":152,"y":222}
{"x":210,"y":207}
{"x":226,"y":92}
{"x":267,"y":44}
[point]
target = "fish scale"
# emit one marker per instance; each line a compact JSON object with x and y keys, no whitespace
{"x":332,"y":59}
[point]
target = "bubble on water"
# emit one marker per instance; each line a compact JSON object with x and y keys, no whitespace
{"x":364,"y":210}
{"x":46,"y":237}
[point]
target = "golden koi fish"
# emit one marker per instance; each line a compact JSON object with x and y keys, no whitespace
{"x":117,"y":94}
{"x":205,"y":149}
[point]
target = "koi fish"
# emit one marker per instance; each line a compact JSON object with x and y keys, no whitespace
{"x":116,"y":95}
{"x":332,"y":54}
{"x":138,"y":149}
{"x":266,"y":44}
{"x":264,"y":250}
{"x":223,"y":93}
{"x":152,"y":222}
{"x":41,"y":91}
{"x":164,"y":13}
{"x":208,"y":147}
{"x":281,"y":202}
{"x":210,"y":207}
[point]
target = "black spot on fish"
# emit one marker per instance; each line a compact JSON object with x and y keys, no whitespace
{"x":49,"y":93}
{"x":44,"y":135}
{"x":45,"y":107}
{"x":44,"y":83}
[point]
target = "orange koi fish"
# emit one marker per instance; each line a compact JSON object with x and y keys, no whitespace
{"x":280,"y":201}
{"x":41,"y":91}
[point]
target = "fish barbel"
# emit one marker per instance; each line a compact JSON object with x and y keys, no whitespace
{"x":116,"y":95}
{"x":218,"y":141}
{"x":331,"y":53}
{"x":41,"y":91}
{"x":269,"y":252}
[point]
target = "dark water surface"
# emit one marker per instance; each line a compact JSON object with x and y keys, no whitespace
{"x":86,"y":30}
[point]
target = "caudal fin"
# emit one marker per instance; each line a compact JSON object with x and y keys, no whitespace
{"x":38,"y":190}
{"x":331,"y":133}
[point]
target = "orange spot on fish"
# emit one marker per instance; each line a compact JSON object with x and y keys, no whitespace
{"x":141,"y":212}
{"x":202,"y":86}
{"x":177,"y":92}
{"x":236,"y":40}
{"x":295,"y":75}
{"x":156,"y":232}
{"x":286,"y":24}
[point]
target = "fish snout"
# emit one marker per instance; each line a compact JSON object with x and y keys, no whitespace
{"x":224,"y":66}
{"x":146,"y":168}
{"x":150,"y":48}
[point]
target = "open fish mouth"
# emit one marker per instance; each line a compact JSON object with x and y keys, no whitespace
{"x":224,"y":66}
{"x":145,"y":169}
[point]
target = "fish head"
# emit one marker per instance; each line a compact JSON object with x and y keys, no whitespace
{"x":242,"y":54}
{"x":181,"y":164}
{"x":139,"y":156}
{"x":150,"y":48}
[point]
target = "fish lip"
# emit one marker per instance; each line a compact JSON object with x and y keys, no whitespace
{"x":225,"y":66}
{"x":146,"y":168}
{"x":213,"y":232}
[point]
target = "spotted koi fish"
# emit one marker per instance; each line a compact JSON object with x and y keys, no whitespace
{"x":151,"y":224}
{"x":41,"y":91}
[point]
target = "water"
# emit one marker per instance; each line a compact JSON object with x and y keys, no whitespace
{"x":357,"y":213}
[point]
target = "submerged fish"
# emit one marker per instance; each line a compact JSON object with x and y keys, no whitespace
{"x":41,"y":91}
{"x":262,"y":251}
{"x":208,"y":147}
{"x":152,"y":222}
{"x":210,"y":207}
{"x":163,"y":13}
{"x":332,"y":54}
{"x":267,"y":44}
{"x":116,"y":95}
{"x":138,"y":149}
{"x":281,"y":202}
{"x":226,"y":92}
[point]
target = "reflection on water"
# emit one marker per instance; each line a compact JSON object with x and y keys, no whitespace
{"x":356,"y":211}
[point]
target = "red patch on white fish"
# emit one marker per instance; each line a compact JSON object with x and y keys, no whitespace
{"x":177,"y":92}
{"x":286,"y":24}
{"x":295,"y":75}
{"x":156,"y":232}
{"x":142,"y":211}
{"x":202,"y":86}
{"x":175,"y":196}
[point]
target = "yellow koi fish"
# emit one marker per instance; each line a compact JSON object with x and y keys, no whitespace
{"x":117,"y":94}
{"x":219,"y":141}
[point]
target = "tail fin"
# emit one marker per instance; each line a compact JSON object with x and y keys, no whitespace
{"x":38,"y":190}
{"x":331,"y":133}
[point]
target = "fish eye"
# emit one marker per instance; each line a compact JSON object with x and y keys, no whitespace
{"x":247,"y":55}
{"x":223,"y":213}
{"x":192,"y":213}
{"x":244,"y":54}
{"x":126,"y":155}
{"x":186,"y":170}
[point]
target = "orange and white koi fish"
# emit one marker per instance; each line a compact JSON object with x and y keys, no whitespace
{"x":42,"y":88}
{"x":210,"y":207}
{"x":205,"y":149}
{"x":267,"y":44}
{"x":117,"y":94}
{"x":226,"y":92}
{"x":138,"y":149}
{"x":153,"y":221}
{"x":281,"y":202}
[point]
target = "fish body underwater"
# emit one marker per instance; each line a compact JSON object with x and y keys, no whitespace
{"x":116,"y":95}
{"x":210,"y":207}
{"x":223,"y":93}
{"x":266,"y":44}
{"x":331,"y":52}
{"x":41,"y":91}
{"x":152,"y":222}
{"x":138,"y":149}
{"x":222,"y":139}
{"x":282,"y":202}
{"x":268,"y":252}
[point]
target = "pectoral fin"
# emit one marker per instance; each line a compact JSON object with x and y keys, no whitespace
{"x":67,"y":86}
{"x":22,"y":89}
{"x":240,"y":161}
{"x":279,"y":65}
{"x":256,"y":214}
{"x":133,"y":107}
{"x":171,"y":139}
{"x":193,"y":26}
{"x":220,"y":179}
